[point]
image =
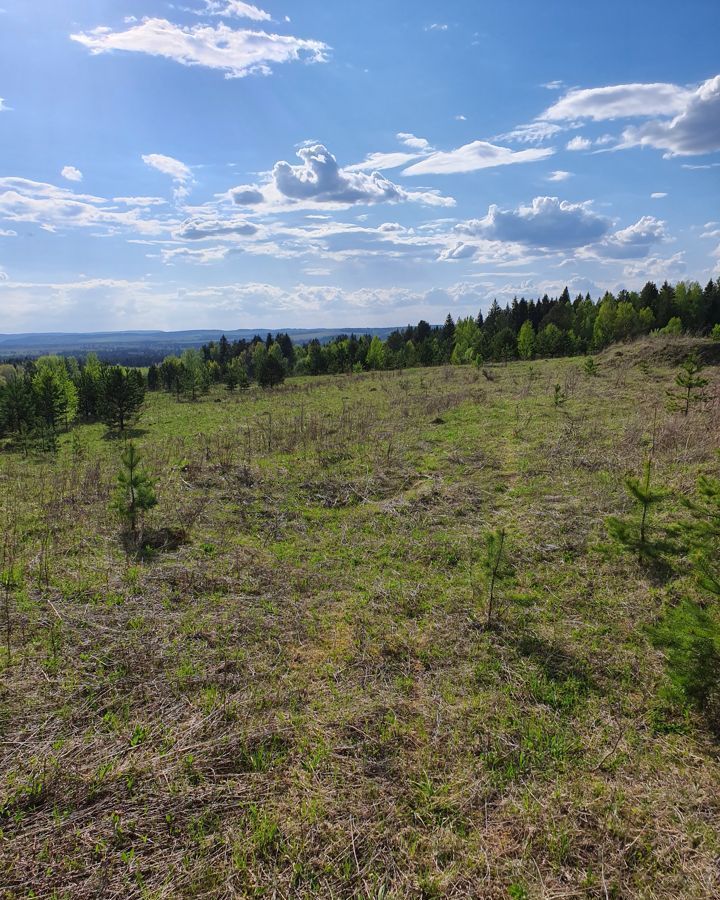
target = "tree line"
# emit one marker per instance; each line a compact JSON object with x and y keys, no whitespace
{"x":522,"y":329}
{"x":39,"y":398}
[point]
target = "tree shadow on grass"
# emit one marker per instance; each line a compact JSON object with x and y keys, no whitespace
{"x":128,"y":434}
{"x":558,"y":665}
{"x":153,"y":542}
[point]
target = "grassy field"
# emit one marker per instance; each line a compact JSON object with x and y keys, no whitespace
{"x":290,"y":694}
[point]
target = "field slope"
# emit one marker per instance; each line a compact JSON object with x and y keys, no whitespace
{"x":291,"y":692}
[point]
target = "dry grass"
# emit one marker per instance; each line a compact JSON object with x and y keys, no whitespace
{"x":288,"y":695}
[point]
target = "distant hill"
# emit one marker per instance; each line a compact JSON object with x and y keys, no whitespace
{"x":142,"y":347}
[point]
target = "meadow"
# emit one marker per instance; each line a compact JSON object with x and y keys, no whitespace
{"x":291,"y":691}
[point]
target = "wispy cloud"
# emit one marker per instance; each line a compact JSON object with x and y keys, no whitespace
{"x":618,"y":101}
{"x":236,"y":52}
{"x":235,"y":8}
{"x":473,"y":157}
{"x":178,"y":171}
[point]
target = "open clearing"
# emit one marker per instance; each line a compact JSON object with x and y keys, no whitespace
{"x":291,"y":695}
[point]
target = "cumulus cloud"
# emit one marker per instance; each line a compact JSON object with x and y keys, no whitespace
{"x":579,"y":143}
{"x":234,"y":8}
{"x":634,"y":242}
{"x":473,"y":157}
{"x":70,"y":173}
{"x":178,"y":171}
{"x":246,"y":195}
{"x":695,"y":130}
{"x":656,"y":268}
{"x":547,"y":223}
{"x":203,"y":229}
{"x":236,"y":52}
{"x":320,"y":179}
{"x":618,"y":101}
{"x":559,"y":175}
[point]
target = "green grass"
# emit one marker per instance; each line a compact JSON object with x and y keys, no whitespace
{"x":288,"y":694}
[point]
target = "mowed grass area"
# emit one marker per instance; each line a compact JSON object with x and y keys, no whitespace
{"x":290,"y":694}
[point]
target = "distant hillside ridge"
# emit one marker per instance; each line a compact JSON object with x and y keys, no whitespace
{"x":144,"y":347}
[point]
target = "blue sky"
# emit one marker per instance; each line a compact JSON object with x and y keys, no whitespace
{"x":215,"y":163}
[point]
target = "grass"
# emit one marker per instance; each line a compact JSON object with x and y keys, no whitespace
{"x":289,"y":694}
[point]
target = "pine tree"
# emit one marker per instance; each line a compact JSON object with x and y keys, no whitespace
{"x":135,"y":491}
{"x":635,"y":536}
{"x":122,"y":395}
{"x":17,"y":409}
{"x":495,"y":569}
{"x":690,"y":383}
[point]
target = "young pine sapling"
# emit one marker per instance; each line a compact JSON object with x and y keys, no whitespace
{"x":690,"y":383}
{"x":635,"y":536}
{"x":135,"y":491}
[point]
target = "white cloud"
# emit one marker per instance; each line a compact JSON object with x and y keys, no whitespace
{"x":705,"y":166}
{"x":416,"y":143}
{"x":234,"y":8}
{"x":656,"y":268}
{"x":237,"y":52}
{"x":320,"y":179}
{"x":203,"y":257}
{"x":547,"y":223}
{"x":634,"y":242}
{"x":619,"y":101}
{"x":472,"y":157}
{"x":559,"y":175}
{"x":553,"y":85}
{"x":70,"y":173}
{"x":579,"y":143}
{"x":3,"y":107}
{"x":202,"y":229}
{"x":246,"y":195}
{"x":178,"y":171}
{"x":532,"y":133}
{"x":53,"y":208}
{"x":695,"y":130}
{"x":436,"y":26}
{"x":461,"y":118}
{"x":658,"y":195}
{"x":377,"y":162}
{"x":7,"y":233}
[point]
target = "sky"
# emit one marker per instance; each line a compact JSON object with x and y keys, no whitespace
{"x":299,"y":163}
